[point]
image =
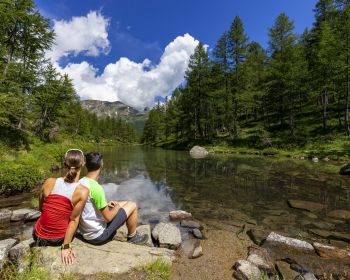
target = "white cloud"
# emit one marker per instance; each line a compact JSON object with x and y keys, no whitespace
{"x":135,"y":84}
{"x":86,"y":34}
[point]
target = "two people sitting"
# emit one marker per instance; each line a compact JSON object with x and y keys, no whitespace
{"x":70,"y":203}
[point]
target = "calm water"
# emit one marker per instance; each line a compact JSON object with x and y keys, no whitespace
{"x":221,"y":189}
{"x":225,"y":189}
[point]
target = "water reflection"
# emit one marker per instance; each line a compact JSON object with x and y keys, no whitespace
{"x":222,"y":188}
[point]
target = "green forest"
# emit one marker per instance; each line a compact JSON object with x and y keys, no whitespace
{"x":35,"y":100}
{"x":40,"y":113}
{"x":292,"y":95}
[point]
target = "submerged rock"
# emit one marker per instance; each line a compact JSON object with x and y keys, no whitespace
{"x":197,"y":252}
{"x":179,"y":215}
{"x":258,"y":236}
{"x":291,"y":242}
{"x":331,"y":234}
{"x":190,"y":224}
{"x":345,"y":170}
{"x":245,"y":270}
{"x":5,"y":215}
{"x":260,"y":258}
{"x":285,"y":271}
{"x":326,"y":251}
{"x":168,"y":235}
{"x":339,"y":214}
{"x":305,"y":205}
{"x":198,"y":152}
{"x":112,"y":257}
{"x":5,"y":246}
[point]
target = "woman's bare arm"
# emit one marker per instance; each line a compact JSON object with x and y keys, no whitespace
{"x":68,"y":255}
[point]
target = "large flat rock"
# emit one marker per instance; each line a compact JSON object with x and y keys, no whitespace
{"x":113,"y":257}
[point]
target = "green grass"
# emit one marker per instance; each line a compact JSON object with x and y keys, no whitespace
{"x":158,"y":270}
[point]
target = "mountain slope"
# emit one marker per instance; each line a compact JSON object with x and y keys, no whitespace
{"x":116,"y":109}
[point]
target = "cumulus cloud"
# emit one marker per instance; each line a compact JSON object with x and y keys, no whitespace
{"x":86,"y":34}
{"x":135,"y":84}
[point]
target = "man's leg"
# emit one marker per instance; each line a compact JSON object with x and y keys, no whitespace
{"x":132,"y":214}
{"x":131,"y":211}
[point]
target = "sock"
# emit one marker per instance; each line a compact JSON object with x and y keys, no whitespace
{"x":132,"y":235}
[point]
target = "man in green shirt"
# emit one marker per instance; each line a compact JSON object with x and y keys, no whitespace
{"x":100,"y":220}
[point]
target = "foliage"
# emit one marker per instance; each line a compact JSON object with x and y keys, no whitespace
{"x":36,"y":100}
{"x":292,"y":95}
{"x":16,"y":178}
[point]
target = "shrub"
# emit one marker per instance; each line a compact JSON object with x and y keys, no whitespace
{"x":18,"y":177}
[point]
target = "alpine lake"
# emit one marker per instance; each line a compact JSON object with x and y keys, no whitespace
{"x":245,"y":194}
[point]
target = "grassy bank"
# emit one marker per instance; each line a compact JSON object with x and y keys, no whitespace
{"x":333,"y":148}
{"x":23,"y":169}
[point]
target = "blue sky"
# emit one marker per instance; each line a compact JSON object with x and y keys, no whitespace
{"x":139,"y":29}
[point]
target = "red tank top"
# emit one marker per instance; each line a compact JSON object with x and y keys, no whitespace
{"x":56,"y":211}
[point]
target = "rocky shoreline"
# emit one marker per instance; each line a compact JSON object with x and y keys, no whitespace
{"x":273,"y":254}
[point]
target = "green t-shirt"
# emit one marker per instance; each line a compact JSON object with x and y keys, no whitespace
{"x":92,"y":223}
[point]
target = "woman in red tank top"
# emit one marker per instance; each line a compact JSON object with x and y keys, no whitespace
{"x":61,"y":201}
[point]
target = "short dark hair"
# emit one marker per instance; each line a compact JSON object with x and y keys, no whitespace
{"x":93,"y":161}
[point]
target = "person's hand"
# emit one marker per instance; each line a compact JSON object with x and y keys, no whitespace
{"x":67,"y":256}
{"x":112,"y":204}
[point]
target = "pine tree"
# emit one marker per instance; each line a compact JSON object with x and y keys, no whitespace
{"x":237,"y":46}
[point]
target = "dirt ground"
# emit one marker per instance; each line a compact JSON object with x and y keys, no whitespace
{"x":221,"y":249}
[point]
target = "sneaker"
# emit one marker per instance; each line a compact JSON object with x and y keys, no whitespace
{"x":138,"y":239}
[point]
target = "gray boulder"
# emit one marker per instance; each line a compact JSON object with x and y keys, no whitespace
{"x":5,"y":246}
{"x":179,"y":215}
{"x":290,"y":242}
{"x":20,"y":254}
{"x":190,"y":224}
{"x":5,"y":215}
{"x":198,"y":152}
{"x":24,"y":214}
{"x":168,"y":235}
{"x":245,"y":270}
{"x":197,"y":233}
{"x":113,"y":257}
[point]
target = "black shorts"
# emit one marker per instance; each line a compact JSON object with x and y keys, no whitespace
{"x":111,"y":229}
{"x":47,"y":242}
